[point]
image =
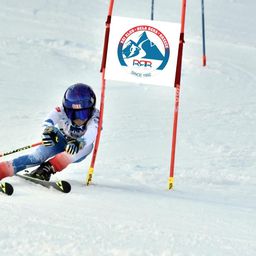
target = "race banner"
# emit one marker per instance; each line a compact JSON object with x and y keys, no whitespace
{"x":142,"y":51}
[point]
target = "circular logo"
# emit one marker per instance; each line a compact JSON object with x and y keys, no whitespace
{"x":143,"y":50}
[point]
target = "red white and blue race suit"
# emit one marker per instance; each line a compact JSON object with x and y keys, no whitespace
{"x":56,"y":154}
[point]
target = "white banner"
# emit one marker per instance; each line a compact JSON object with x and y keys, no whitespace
{"x":142,"y":51}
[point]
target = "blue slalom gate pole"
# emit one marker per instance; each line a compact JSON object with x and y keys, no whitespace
{"x":152,"y":9}
{"x":203,"y":33}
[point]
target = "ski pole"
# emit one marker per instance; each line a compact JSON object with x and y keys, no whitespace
{"x":20,"y":149}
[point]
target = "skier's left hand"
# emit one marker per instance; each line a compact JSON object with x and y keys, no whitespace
{"x":73,"y":146}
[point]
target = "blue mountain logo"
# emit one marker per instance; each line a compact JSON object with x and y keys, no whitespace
{"x":144,"y":47}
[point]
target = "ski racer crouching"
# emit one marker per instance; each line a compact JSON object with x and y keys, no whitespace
{"x":68,"y":136}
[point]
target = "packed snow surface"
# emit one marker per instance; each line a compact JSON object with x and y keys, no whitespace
{"x":47,"y":45}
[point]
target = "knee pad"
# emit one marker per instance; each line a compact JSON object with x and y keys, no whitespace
{"x":61,"y":161}
{"x":6,"y":169}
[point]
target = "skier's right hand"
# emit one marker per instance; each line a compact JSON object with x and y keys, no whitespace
{"x":50,"y":136}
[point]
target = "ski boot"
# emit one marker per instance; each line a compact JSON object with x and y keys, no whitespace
{"x":43,"y":172}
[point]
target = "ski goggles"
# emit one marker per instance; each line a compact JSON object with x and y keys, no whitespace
{"x":82,"y":114}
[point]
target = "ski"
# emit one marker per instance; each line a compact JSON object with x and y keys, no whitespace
{"x":60,"y":185}
{"x":6,"y":188}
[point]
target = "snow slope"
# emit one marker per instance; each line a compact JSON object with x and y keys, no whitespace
{"x":47,"y":45}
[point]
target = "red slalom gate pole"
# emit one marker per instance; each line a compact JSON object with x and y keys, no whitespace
{"x":20,"y":149}
{"x":102,"y":99}
{"x":177,"y":95}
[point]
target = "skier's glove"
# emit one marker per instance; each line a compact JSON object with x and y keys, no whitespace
{"x":50,"y":136}
{"x":73,"y":146}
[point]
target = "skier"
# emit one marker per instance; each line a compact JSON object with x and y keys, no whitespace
{"x":68,"y":135}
